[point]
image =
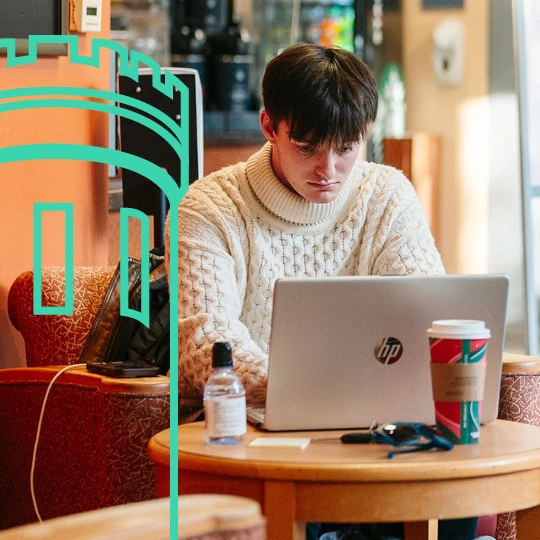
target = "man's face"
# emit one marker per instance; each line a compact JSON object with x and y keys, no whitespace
{"x":318,"y":174}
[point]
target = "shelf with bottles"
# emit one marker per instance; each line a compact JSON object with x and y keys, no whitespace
{"x":309,"y":3}
{"x":320,"y":21}
{"x":332,"y":25}
{"x":326,"y":22}
{"x":142,"y":25}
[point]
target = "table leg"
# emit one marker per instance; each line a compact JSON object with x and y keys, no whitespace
{"x":421,"y":530}
{"x":280,"y":512}
{"x":528,"y":523}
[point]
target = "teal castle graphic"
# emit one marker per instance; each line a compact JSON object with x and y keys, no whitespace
{"x":173,"y":133}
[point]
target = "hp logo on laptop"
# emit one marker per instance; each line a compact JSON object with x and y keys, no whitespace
{"x":388,"y":351}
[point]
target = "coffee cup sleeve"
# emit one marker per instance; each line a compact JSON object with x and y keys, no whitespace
{"x":458,"y":382}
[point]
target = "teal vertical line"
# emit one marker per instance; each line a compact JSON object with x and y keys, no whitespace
{"x":70,"y":263}
{"x":184,"y":133}
{"x":38,"y":258}
{"x":143,"y":316}
{"x":67,"y":209}
{"x":173,"y":295}
{"x":173,"y":372}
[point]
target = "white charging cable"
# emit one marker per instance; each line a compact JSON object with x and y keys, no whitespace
{"x":40,"y":421}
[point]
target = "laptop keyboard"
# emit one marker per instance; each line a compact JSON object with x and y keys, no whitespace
{"x":255,"y":414}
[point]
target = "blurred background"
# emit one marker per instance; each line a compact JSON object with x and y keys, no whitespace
{"x":483,"y":208}
{"x":230,"y":42}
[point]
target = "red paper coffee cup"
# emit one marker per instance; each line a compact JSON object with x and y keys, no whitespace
{"x":458,"y":365}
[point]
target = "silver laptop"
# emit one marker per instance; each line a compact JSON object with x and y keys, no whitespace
{"x":334,"y":341}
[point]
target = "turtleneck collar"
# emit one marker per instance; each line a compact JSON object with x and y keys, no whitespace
{"x":281,"y":201}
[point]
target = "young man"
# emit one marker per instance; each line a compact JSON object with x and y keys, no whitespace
{"x":304,"y":205}
{"x":301,"y":206}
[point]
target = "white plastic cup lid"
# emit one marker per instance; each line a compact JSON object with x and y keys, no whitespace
{"x":459,"y":329}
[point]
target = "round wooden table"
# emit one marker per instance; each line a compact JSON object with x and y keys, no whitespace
{"x":330,"y":481}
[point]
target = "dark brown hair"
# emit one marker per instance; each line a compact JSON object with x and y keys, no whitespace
{"x":326,"y":94}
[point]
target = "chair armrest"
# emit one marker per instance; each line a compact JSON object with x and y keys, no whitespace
{"x":520,"y":389}
{"x":520,"y":363}
{"x":79,"y":375}
{"x":57,"y":339}
{"x":204,"y":516}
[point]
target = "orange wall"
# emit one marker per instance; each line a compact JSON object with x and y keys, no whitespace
{"x":24,"y":183}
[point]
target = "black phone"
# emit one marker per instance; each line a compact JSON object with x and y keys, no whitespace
{"x":123,"y":369}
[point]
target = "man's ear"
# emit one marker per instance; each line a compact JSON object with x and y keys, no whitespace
{"x":267,"y":126}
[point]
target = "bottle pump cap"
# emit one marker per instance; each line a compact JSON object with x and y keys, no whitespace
{"x":222,"y":354}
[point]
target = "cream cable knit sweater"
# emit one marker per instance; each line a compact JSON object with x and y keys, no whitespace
{"x":240,"y":229}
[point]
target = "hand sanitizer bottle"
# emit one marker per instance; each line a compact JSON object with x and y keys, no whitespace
{"x":224,"y":400}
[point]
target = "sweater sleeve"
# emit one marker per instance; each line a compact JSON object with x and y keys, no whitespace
{"x":209,"y":304}
{"x":403,"y":243}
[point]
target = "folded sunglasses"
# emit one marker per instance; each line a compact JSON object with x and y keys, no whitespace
{"x":414,"y":437}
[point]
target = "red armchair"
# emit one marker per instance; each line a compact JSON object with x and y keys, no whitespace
{"x":519,"y":402}
{"x":92,"y":448}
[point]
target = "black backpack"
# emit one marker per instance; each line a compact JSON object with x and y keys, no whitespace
{"x":114,"y":337}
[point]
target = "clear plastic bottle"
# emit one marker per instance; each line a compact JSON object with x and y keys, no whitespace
{"x":224,"y":400}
